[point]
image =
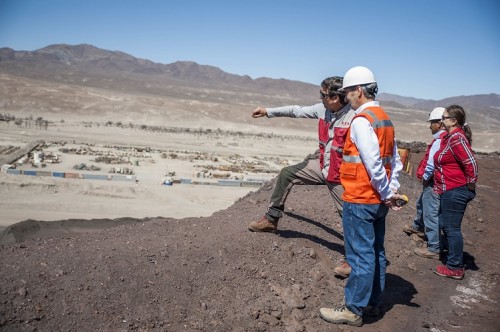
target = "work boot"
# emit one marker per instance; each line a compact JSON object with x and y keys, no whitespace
{"x":408,"y":229}
{"x":340,"y":315}
{"x":424,"y":252}
{"x":344,"y":270}
{"x":263,"y":225}
{"x":444,"y":271}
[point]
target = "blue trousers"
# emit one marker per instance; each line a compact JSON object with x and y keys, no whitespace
{"x":427,"y":217}
{"x":364,"y":232}
{"x":453,"y":205}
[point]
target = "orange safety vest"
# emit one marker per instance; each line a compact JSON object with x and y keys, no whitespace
{"x":353,"y":175}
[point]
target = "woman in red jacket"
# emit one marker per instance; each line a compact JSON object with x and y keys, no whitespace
{"x":455,"y":176}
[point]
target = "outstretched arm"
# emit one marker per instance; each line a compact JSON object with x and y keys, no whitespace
{"x":291,"y":111}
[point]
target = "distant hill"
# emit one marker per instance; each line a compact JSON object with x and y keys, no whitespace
{"x":91,"y":66}
{"x":487,"y":106}
{"x":88,"y":65}
{"x":404,"y":101}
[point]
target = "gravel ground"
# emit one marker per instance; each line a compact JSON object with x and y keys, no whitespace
{"x":212,"y":274}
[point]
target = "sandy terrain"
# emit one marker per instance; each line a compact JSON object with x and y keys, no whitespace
{"x":51,"y":198}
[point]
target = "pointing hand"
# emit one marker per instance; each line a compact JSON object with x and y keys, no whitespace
{"x":259,"y":112}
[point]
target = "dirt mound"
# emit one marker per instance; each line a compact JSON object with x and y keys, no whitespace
{"x":212,"y":274}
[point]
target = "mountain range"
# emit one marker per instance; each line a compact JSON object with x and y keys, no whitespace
{"x":117,"y":70}
{"x":71,"y":62}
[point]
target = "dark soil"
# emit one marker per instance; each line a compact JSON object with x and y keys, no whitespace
{"x":212,"y":274}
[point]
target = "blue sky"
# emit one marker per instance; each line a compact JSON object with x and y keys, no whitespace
{"x":427,"y":49}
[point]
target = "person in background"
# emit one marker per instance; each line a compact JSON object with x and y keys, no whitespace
{"x":455,"y":176}
{"x":427,"y":217}
{"x":369,"y":174}
{"x":334,"y":115}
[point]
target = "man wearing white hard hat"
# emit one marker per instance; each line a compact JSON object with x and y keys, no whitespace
{"x":369,"y":174}
{"x":426,"y":220}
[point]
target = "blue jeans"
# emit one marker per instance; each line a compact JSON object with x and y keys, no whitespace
{"x":364,"y":231}
{"x":427,"y":217}
{"x":453,"y":204}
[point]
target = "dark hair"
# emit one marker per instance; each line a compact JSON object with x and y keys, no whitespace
{"x":333,"y":84}
{"x":458,"y":113}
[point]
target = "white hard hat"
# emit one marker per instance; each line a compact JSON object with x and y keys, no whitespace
{"x":436,"y":114}
{"x":358,"y":75}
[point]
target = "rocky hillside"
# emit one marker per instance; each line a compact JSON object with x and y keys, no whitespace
{"x":212,"y":274}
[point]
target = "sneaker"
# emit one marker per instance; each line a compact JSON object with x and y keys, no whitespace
{"x":344,"y":270}
{"x":263,"y":225}
{"x":444,"y":271}
{"x":424,"y":252}
{"x":371,"y":311}
{"x":340,"y":315}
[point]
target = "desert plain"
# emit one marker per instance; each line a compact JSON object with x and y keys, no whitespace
{"x":153,"y":158}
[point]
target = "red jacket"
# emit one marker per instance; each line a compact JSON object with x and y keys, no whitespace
{"x":454,"y":164}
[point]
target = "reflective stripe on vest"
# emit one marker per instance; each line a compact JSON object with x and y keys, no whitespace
{"x":378,"y":123}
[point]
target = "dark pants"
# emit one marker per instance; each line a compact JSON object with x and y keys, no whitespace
{"x":452,"y":210}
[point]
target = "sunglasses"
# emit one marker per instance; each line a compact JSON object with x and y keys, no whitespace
{"x":328,"y":95}
{"x":446,"y":117}
{"x":323,"y":95}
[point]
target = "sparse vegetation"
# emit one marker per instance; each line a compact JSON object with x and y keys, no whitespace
{"x":211,"y":133}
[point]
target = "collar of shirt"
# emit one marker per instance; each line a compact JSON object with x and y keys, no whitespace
{"x":456,"y":130}
{"x":365,"y":105}
{"x":341,"y":111}
{"x":438,"y":134}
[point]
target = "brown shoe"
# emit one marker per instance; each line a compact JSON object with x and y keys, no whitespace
{"x":344,"y":270}
{"x":263,"y":225}
{"x":424,"y":252}
{"x":408,"y":229}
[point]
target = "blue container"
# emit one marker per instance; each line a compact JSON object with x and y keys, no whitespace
{"x":58,"y":174}
{"x":14,"y":171}
{"x":30,"y":173}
